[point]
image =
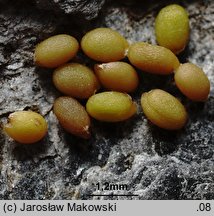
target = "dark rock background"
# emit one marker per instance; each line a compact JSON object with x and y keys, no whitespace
{"x":155,"y":164}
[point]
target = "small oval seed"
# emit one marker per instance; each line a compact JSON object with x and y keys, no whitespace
{"x":72,"y":116}
{"x":75,"y":80}
{"x":163,"y":109}
{"x":153,"y":59}
{"x":192,"y":82}
{"x":104,"y":45}
{"x":117,"y":76}
{"x":111,"y":106}
{"x":26,"y":127}
{"x":172,"y":28}
{"x":56,"y":51}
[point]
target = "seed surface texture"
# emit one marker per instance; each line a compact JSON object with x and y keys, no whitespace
{"x":75,"y":80}
{"x":104,"y":45}
{"x":111,"y":106}
{"x":117,"y":76}
{"x":72,"y":116}
{"x":26,"y":127}
{"x":192,"y":82}
{"x":56,"y":51}
{"x":172,"y":28}
{"x":163,"y":109}
{"x":152,"y":58}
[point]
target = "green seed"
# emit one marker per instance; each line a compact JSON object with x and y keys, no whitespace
{"x":192,"y":82}
{"x":172,"y":28}
{"x":163,"y":109}
{"x":56,"y":51}
{"x":152,"y":58}
{"x":117,"y":76}
{"x":104,"y":45}
{"x":72,"y":116}
{"x":111,"y":106}
{"x":75,"y":80}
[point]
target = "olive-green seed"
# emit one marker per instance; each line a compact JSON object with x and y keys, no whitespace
{"x":117,"y":76}
{"x":152,"y":58}
{"x":55,"y":51}
{"x":172,"y":28}
{"x":192,"y":82}
{"x":26,"y":127}
{"x":111,"y":106}
{"x":104,"y":45}
{"x":75,"y":80}
{"x":163,"y":109}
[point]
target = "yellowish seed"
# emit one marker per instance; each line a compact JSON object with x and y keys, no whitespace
{"x":172,"y":28}
{"x":72,"y":116}
{"x":111,"y":106}
{"x":26,"y":127}
{"x":192,"y":82}
{"x":75,"y":80}
{"x":163,"y":109}
{"x":55,"y":51}
{"x":104,"y":45}
{"x":152,"y":58}
{"x":117,"y":76}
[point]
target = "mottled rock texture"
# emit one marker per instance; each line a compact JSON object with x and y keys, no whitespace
{"x":155,"y":164}
{"x":87,"y":8}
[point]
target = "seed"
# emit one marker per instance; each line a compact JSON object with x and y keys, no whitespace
{"x":172,"y":28}
{"x":56,"y":51}
{"x":104,"y":45}
{"x":26,"y":127}
{"x":75,"y":80}
{"x":163,"y":109}
{"x":72,"y":116}
{"x":152,"y":58}
{"x":192,"y":82}
{"x":117,"y":76}
{"x":111,"y":106}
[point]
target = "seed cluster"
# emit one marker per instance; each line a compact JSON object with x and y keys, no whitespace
{"x":108,"y":48}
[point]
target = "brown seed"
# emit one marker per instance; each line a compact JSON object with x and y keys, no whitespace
{"x":192,"y":82}
{"x":72,"y":116}
{"x":75,"y":80}
{"x":117,"y":76}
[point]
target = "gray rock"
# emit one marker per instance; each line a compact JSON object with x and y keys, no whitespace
{"x":153,"y":163}
{"x":87,"y":8}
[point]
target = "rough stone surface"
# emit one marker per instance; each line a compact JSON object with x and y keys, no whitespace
{"x":88,"y":8}
{"x":155,"y":164}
